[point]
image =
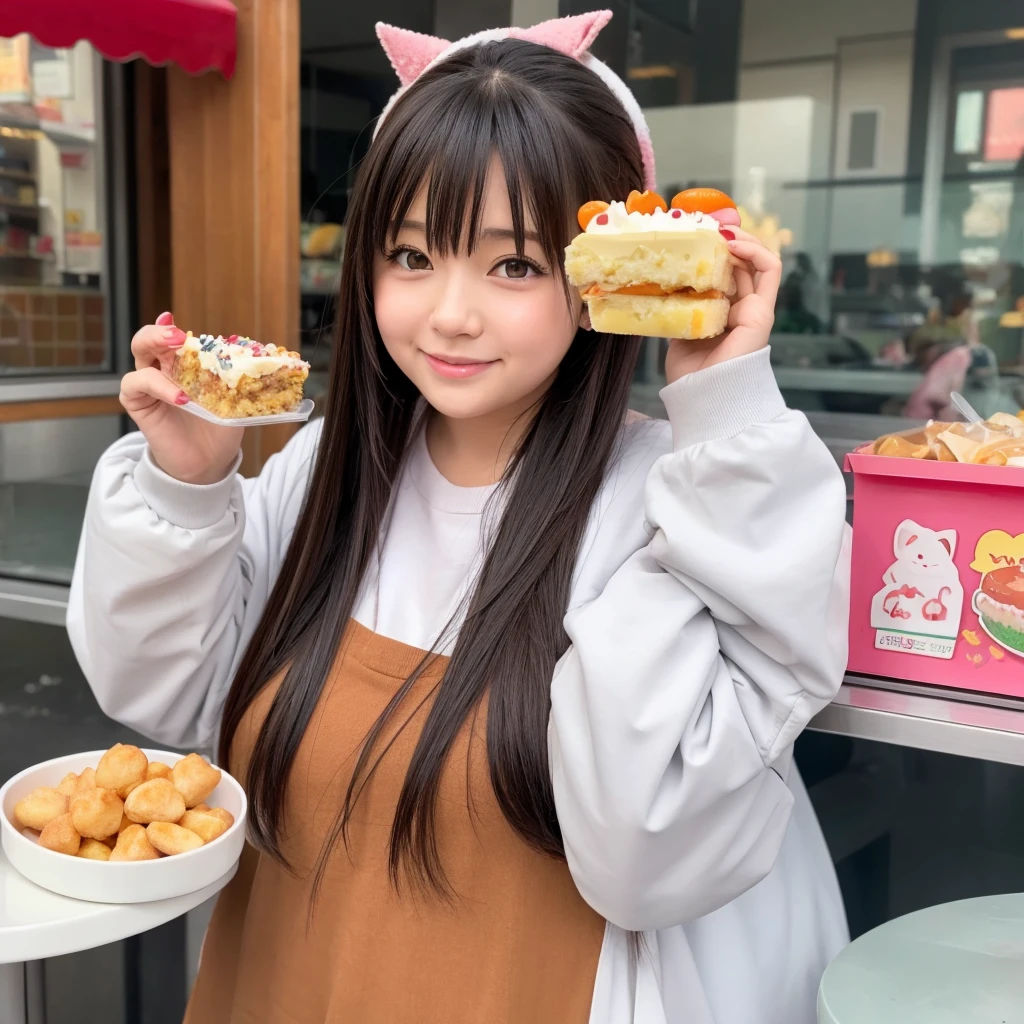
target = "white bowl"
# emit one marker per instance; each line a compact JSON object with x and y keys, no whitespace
{"x":123,"y":881}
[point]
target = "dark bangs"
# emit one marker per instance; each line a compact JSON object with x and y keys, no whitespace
{"x":446,"y":136}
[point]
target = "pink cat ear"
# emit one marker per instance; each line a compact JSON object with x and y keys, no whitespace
{"x":572,"y":35}
{"x":409,"y":52}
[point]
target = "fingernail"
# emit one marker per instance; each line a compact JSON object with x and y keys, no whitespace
{"x":172,"y":337}
{"x":182,"y":398}
{"x":728,"y":235}
{"x":164,"y":318}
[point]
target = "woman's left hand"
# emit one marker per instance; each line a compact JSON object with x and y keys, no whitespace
{"x":750,"y":319}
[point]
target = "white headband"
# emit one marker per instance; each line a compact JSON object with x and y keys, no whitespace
{"x":412,"y":53}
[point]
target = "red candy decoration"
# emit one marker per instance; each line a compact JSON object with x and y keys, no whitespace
{"x":602,"y":218}
{"x":677,"y":214}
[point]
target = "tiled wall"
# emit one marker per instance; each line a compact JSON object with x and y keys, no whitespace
{"x":51,"y":328}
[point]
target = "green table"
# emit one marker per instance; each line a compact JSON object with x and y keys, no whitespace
{"x":957,"y":963}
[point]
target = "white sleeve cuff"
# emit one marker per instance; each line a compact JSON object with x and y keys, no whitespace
{"x":189,"y":506}
{"x":723,"y":400}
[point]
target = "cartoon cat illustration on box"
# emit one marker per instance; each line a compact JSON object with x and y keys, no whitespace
{"x":921,"y":595}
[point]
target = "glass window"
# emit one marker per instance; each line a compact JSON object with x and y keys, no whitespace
{"x":53,"y":302}
{"x":45,"y":469}
{"x":345,"y":81}
{"x":880,"y":150}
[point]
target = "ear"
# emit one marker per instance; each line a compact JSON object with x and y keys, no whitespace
{"x":947,"y":538}
{"x":409,"y":52}
{"x":572,"y":36}
{"x":906,"y":533}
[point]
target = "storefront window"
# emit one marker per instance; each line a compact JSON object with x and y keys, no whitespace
{"x":345,"y":81}
{"x":53,"y":306}
{"x":880,"y":149}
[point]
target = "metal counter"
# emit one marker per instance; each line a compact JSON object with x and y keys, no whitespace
{"x":927,"y":718}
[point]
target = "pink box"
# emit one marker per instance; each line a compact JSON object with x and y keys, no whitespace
{"x":938,"y":573}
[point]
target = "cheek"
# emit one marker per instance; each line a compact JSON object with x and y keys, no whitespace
{"x":396,"y":314}
{"x":539,"y":328}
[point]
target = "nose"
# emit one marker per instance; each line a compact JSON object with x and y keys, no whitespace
{"x":456,"y":312}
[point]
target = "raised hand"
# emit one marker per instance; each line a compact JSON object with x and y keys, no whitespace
{"x":758,"y":274}
{"x":182,"y":445}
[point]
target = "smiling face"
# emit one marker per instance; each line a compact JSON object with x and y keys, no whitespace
{"x":481,"y":333}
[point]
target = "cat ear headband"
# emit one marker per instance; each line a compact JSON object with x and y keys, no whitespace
{"x":412,"y":53}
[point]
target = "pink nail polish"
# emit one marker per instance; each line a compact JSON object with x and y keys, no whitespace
{"x":728,"y":235}
{"x":182,"y":398}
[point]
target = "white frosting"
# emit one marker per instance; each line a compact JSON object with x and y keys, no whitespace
{"x":620,"y":223}
{"x":243,"y":357}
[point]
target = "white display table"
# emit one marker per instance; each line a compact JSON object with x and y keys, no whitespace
{"x":36,"y":923}
{"x":956,"y":963}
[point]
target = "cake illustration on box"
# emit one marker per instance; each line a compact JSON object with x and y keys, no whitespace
{"x":918,"y":609}
{"x":1000,"y":606}
{"x":999,"y":599}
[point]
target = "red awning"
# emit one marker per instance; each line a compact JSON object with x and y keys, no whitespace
{"x":198,"y":35}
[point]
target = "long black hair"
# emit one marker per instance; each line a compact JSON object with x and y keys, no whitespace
{"x":562,"y":139}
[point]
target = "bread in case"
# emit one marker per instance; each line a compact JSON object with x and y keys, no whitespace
{"x":645,"y":269}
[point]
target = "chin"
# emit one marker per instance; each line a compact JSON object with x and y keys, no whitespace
{"x":464,"y":406}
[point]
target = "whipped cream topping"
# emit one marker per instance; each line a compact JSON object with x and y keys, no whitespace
{"x":615,"y":221}
{"x":233,"y":358}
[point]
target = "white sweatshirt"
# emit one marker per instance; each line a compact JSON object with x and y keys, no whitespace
{"x":708,"y":620}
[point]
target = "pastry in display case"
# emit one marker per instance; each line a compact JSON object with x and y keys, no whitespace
{"x":937,"y":592}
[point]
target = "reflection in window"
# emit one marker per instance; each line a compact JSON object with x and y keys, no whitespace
{"x":898,"y":210}
{"x":52,"y":304}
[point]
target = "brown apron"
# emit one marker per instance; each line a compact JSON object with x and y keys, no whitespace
{"x":516,"y":945}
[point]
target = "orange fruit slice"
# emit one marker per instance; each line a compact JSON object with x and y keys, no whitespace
{"x":644,"y":202}
{"x":702,"y":200}
{"x":588,"y":211}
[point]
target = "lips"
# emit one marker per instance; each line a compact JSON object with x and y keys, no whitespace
{"x":456,"y":367}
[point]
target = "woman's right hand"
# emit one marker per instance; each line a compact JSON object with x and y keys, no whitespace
{"x":182,"y":445}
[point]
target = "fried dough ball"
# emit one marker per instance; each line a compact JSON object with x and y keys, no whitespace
{"x":84,"y":782}
{"x":68,"y":783}
{"x":61,"y":836}
{"x":134,"y":844}
{"x":158,"y":770}
{"x":206,"y":824}
{"x":93,"y":849}
{"x":125,"y":822}
{"x":40,"y":807}
{"x":122,"y":768}
{"x":155,"y":800}
{"x":110,"y":842}
{"x":226,"y":816}
{"x":195,"y":779}
{"x":172,"y":839}
{"x":97,"y":813}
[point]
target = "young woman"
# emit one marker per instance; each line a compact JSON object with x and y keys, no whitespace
{"x":512,"y":679}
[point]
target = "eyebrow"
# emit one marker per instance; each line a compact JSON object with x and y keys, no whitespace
{"x":500,"y":234}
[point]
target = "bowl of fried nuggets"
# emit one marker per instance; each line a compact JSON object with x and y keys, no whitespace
{"x":125,"y":825}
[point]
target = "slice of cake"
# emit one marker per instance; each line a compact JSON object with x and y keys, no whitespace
{"x":645,"y":269}
{"x":237,"y":377}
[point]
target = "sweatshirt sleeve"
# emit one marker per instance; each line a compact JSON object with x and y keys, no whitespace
{"x":701,"y":659}
{"x":170,"y":581}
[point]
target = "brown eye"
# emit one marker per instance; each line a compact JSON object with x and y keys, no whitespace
{"x":412,"y":260}
{"x":515,"y":270}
